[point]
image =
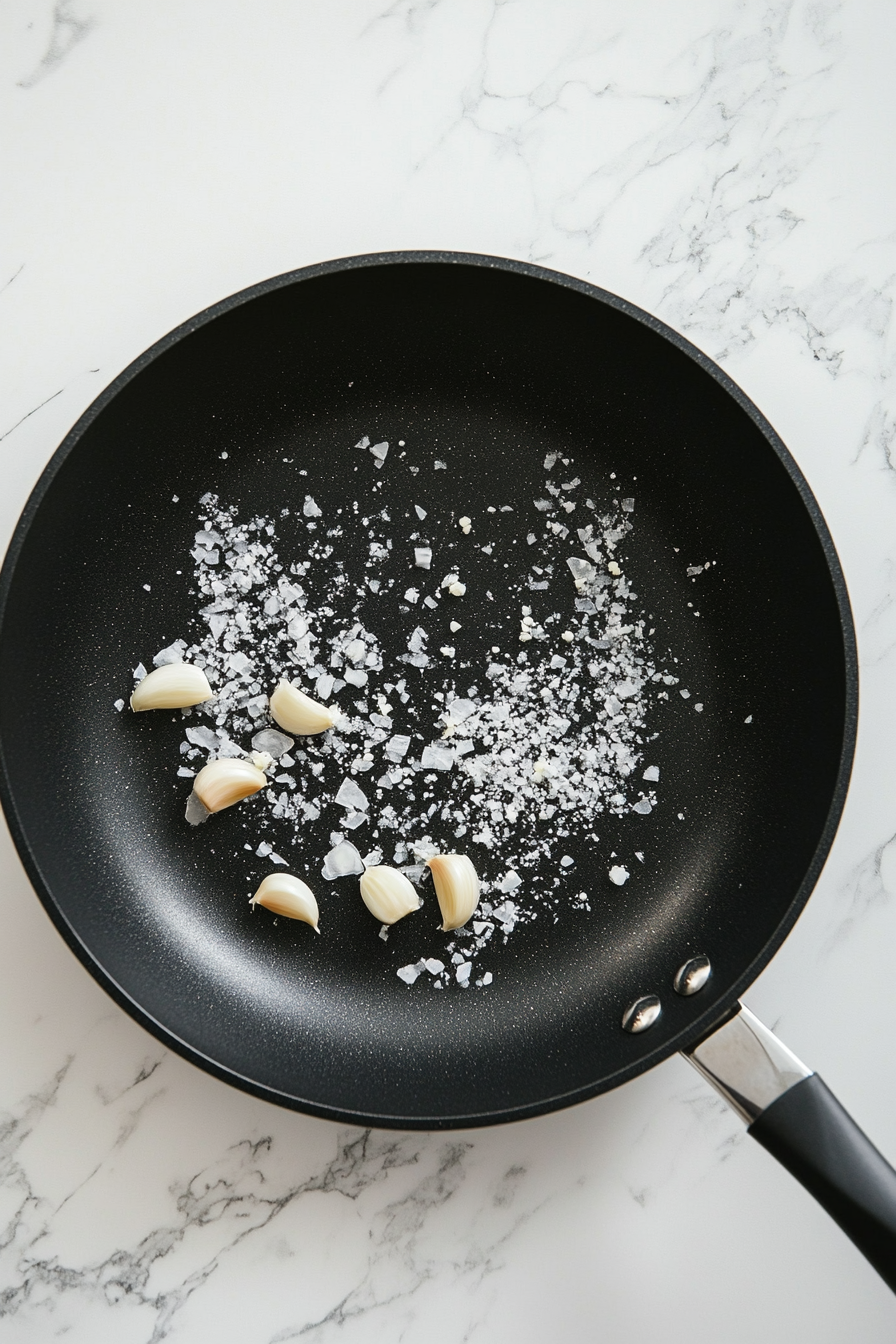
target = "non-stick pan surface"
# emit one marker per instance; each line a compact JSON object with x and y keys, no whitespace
{"x":488,"y":365}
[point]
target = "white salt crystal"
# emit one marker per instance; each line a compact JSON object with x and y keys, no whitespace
{"x":418,"y":640}
{"x":412,"y":595}
{"x":448,"y":580}
{"x":349,"y":795}
{"x":643,"y":806}
{"x":410,"y":973}
{"x":421,"y":513}
{"x":448,"y":650}
{"x":652,"y":772}
{"x":363,"y":442}
{"x":454,"y":626}
{"x":510,"y":881}
{"x":434,"y":966}
{"x":440,"y":466}
{"x":628,"y":505}
{"x":437,"y":757}
{"x":397,"y":746}
{"x":310,"y":509}
{"x":139,"y":672}
{"x":204,"y":737}
{"x":699,"y":709}
{"x":748,"y":719}
{"x":355,"y":676}
{"x":323,"y":687}
{"x":685,"y":695}
{"x":195,"y":813}
{"x":185,"y":772}
{"x":618,"y":874}
{"x":487,"y":978}
{"x":457,"y":589}
{"x":460,"y":709}
{"x":465,"y":524}
{"x":582,"y":570}
{"x":549,"y":460}
{"x":567,"y":861}
{"x":356,"y":651}
{"x":173,"y":654}
{"x":430,"y":602}
{"x":422,"y":557}
{"x":263,"y":849}
{"x":639,"y":856}
{"x":379,"y":451}
{"x":342,"y":861}
{"x":463,"y":973}
{"x":119,"y":705}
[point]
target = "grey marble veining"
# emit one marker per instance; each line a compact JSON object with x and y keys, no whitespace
{"x":725,"y":165}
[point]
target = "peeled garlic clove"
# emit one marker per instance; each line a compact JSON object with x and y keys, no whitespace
{"x":388,"y":894}
{"x":296,"y":712}
{"x":174,"y":686}
{"x":222,"y":783}
{"x":290,"y":896}
{"x":457,"y":888}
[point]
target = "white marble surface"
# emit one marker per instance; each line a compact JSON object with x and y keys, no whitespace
{"x":726,"y":165}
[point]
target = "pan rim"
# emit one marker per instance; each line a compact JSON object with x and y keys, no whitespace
{"x":698,"y":1027}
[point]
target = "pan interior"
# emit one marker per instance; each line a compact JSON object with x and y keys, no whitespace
{"x":488,"y":370}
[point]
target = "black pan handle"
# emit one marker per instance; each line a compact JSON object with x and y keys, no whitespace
{"x":791,"y":1112}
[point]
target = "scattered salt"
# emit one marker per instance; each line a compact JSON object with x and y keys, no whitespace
{"x":422,"y":557}
{"x":349,"y":795}
{"x":173,"y":654}
{"x":342,"y":861}
{"x":619,"y":875}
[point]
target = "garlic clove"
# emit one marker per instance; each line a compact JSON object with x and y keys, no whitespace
{"x":224,"y":782}
{"x":296,"y":712}
{"x":457,"y":888}
{"x":388,"y":894}
{"x":286,"y":895}
{"x":174,"y":686}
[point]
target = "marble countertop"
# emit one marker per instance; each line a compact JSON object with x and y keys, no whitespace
{"x":725,"y":164}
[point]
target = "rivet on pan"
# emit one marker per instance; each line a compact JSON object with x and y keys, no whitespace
{"x":692,"y":976}
{"x":642,"y":1014}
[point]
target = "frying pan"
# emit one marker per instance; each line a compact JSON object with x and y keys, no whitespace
{"x":488,"y":365}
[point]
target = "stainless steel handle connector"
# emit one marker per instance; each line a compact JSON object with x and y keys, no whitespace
{"x":747,"y":1064}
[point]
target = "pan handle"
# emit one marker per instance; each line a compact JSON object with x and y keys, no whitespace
{"x":791,"y":1112}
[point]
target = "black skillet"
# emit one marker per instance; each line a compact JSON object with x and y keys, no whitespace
{"x":488,"y":365}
